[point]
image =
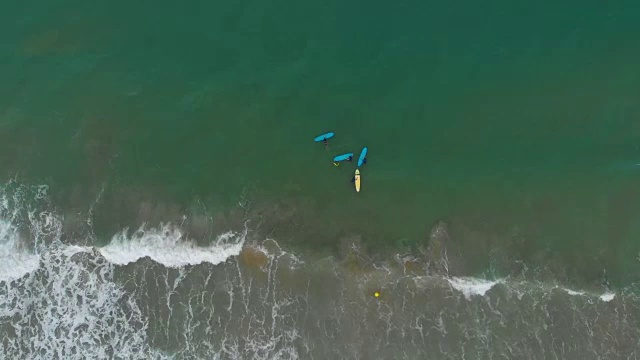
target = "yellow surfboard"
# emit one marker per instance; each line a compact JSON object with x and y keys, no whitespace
{"x":357,"y":181}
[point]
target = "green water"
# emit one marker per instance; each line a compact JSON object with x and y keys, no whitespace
{"x":516,"y":123}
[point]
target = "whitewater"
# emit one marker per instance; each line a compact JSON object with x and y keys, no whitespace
{"x":154,"y":293}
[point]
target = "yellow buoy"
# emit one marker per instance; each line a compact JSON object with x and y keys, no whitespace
{"x":376,"y":294}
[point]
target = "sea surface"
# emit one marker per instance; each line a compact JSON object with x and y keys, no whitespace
{"x":161,"y":196}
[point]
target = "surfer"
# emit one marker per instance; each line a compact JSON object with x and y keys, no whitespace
{"x":324,"y":138}
{"x":350,"y":158}
{"x":364,"y":161}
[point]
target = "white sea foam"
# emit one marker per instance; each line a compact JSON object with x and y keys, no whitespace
{"x":573,"y":292}
{"x":54,"y":305}
{"x":608,"y":296}
{"x":471,"y":286}
{"x":168,"y":246}
{"x":60,"y":305}
{"x":15,"y":260}
{"x":99,"y":319}
{"x":66,"y":309}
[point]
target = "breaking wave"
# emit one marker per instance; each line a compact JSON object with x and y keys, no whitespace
{"x":168,"y":246}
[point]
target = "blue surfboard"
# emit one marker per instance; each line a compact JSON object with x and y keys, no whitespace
{"x":342,"y":157}
{"x":323,"y":137}
{"x":363,"y":155}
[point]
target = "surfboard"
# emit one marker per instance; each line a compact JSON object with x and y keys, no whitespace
{"x":342,"y":157}
{"x":363,"y":154}
{"x":322,"y":137}
{"x":357,"y":181}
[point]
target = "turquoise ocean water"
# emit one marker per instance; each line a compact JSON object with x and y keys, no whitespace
{"x":510,"y":127}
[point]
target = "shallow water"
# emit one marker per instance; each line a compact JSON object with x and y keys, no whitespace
{"x":129,"y":300}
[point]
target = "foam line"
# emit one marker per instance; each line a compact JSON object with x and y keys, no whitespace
{"x":168,"y":246}
{"x":471,"y":286}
